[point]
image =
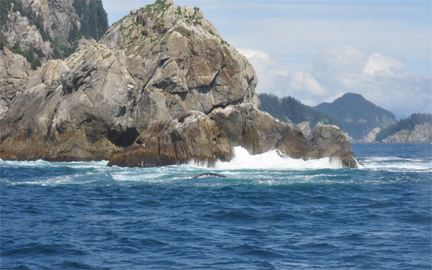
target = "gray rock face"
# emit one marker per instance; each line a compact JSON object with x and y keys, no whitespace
{"x":421,"y":134}
{"x":295,"y":145}
{"x":20,"y":31}
{"x":176,"y":53}
{"x":194,"y":137}
{"x":323,"y":141}
{"x":329,"y":138}
{"x":331,"y":142}
{"x":108,"y":96}
{"x":304,"y":127}
{"x":69,"y":108}
{"x":250,"y":128}
{"x":14,"y":70}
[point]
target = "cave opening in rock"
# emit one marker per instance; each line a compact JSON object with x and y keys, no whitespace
{"x":123,"y":138}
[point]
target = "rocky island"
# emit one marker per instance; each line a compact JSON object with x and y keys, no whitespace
{"x":161,"y":87}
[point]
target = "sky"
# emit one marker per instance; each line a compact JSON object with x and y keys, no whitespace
{"x":315,"y":51}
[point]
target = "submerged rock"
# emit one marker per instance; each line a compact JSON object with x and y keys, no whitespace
{"x":206,"y":175}
{"x":194,"y":137}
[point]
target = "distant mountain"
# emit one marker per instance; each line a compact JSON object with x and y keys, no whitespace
{"x":357,"y":115}
{"x":289,"y":109}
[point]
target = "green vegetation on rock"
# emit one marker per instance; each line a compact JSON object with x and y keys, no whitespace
{"x":29,"y":55}
{"x":93,"y":18}
{"x":3,"y":41}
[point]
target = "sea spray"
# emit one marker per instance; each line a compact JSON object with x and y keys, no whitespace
{"x":274,"y":160}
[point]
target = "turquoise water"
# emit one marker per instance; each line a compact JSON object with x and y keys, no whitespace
{"x":268,"y":213}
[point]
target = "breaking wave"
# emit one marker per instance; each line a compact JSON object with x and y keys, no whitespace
{"x":273,"y":160}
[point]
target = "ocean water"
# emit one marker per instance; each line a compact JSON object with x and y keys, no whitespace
{"x":267,"y":213}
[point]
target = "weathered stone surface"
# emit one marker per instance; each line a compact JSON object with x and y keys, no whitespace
{"x":330,"y":139}
{"x":324,"y":141}
{"x":68,"y":107}
{"x":250,"y":128}
{"x":14,"y":70}
{"x":332,"y":143}
{"x":157,"y":64}
{"x":177,"y":54}
{"x":304,"y":127}
{"x":295,"y":145}
{"x":194,"y":137}
{"x":22,"y":32}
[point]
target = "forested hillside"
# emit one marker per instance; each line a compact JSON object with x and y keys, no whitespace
{"x":288,"y":108}
{"x":405,"y":124}
{"x":357,"y":115}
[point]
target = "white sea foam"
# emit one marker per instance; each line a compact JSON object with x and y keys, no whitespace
{"x":397,"y":164}
{"x":274,"y":160}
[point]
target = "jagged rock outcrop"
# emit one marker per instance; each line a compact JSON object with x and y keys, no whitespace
{"x":295,"y":145}
{"x":323,"y":141}
{"x":421,"y":134}
{"x":69,"y":108}
{"x":194,"y":137}
{"x":176,"y":52}
{"x":161,"y":88}
{"x":332,"y":143}
{"x":304,"y":127}
{"x":250,"y":128}
{"x":14,"y":70}
{"x":111,"y":95}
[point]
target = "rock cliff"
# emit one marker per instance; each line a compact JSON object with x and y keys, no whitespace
{"x":192,"y":138}
{"x":110,"y":93}
{"x":162,"y":87}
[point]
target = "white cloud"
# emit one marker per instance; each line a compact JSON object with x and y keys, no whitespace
{"x":337,"y":70}
{"x":377,"y":63}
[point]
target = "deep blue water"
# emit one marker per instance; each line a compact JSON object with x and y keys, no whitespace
{"x":269,"y":213}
